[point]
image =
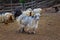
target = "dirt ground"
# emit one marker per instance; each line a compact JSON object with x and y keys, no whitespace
{"x":49,"y":29}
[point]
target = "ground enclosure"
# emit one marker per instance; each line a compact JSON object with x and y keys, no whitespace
{"x":49,"y":29}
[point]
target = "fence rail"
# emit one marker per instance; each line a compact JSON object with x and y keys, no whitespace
{"x":32,"y":5}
